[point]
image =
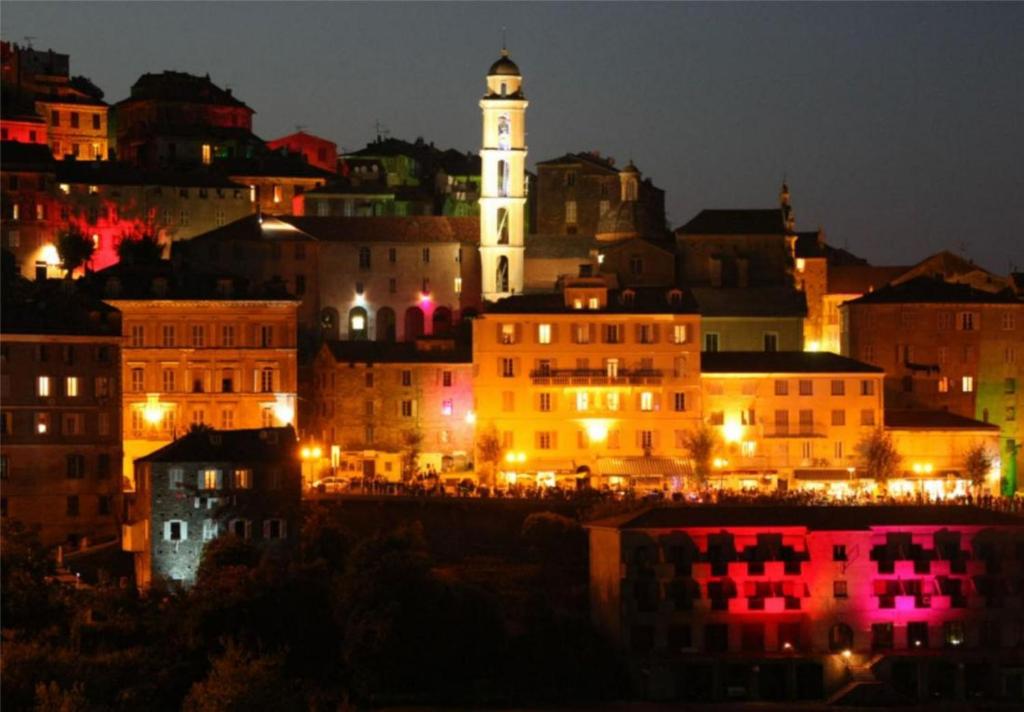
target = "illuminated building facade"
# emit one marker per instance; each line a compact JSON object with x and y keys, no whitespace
{"x":208,"y":484}
{"x":946,"y":346}
{"x":503,"y":181}
{"x":179,"y":119}
{"x":386,"y":396}
{"x":317,"y":152}
{"x":592,"y":378}
{"x":30,"y":208}
{"x":274,"y":180}
{"x":757,"y":318}
{"x":200,"y":349}
{"x":789,"y":418}
{"x":60,"y":448}
{"x":788,"y":603}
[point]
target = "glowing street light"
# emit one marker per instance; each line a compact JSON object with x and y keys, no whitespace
{"x":732,"y":432}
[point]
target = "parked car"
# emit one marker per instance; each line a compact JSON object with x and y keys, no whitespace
{"x":331,"y":484}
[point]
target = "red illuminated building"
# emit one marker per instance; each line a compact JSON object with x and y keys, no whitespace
{"x":804,"y":602}
{"x":317,"y":151}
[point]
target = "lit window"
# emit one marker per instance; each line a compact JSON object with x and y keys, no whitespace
{"x":679,"y":334}
{"x":243,"y":479}
{"x":277,"y":194}
{"x":458,"y":285}
{"x":577,"y":303}
{"x":570,"y":212}
{"x":545,"y":402}
{"x":209,"y":479}
{"x":967,"y":383}
{"x":446,"y":407}
{"x":544,"y":333}
{"x":42,"y":423}
{"x":801,"y":264}
{"x":943,"y":385}
{"x":207,"y":154}
{"x":175,"y":530}
{"x":43,"y":386}
{"x":647,"y":401}
{"x":71,"y":386}
{"x":267,"y":380}
{"x":508,"y":333}
{"x":176,"y":478}
{"x":65,"y":188}
{"x":582,"y":401}
{"x":358,"y":322}
{"x":612,"y":399}
{"x":210,"y":529}
{"x":593,"y":303}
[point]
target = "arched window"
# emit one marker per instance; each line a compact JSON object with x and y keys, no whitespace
{"x":413,"y":323}
{"x":502,"y":226}
{"x":840,"y":638}
{"x":501,"y":275}
{"x":385,"y":324}
{"x":442,"y":321}
{"x":358,"y":324}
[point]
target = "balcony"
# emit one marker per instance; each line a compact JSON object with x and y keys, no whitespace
{"x":596,"y":377}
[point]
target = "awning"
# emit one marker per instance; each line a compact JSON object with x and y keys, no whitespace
{"x":642,"y":466}
{"x":824,"y":474}
{"x":549,"y":465}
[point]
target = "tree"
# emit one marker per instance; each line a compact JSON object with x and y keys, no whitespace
{"x":879,"y":457}
{"x":700,"y":445}
{"x":74,"y":249}
{"x":141,"y":250}
{"x":411,"y":440}
{"x":489,"y":452}
{"x":240,"y":681}
{"x":977,"y":464}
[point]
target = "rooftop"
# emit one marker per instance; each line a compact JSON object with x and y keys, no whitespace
{"x":163,"y":281}
{"x":181,"y":86}
{"x":15,"y":155}
{"x":645,"y":300}
{"x":822,"y":518}
{"x":735,"y":222}
{"x":423,"y":351}
{"x":592,"y":158}
{"x":115,"y":173}
{"x":781,"y":362}
{"x":750,"y":301}
{"x":934,"y":290}
{"x":540,"y":246}
{"x":55,"y":307}
{"x":933,"y":420}
{"x":255,"y":445}
{"x":860,"y":278}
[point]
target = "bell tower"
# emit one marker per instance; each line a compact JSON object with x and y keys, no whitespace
{"x":503,"y":181}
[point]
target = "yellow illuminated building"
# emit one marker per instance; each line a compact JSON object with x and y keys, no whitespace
{"x":589,"y":380}
{"x":789,"y":418}
{"x":225,"y":362}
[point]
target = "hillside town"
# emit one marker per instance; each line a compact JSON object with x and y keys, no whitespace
{"x":775,"y":448}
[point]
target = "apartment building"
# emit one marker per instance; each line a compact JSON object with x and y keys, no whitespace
{"x":207,"y":484}
{"x":200,"y":349}
{"x":789,"y":418}
{"x":375,"y":397}
{"x":801,"y":603}
{"x":589,"y":380}
{"x":60,"y":450}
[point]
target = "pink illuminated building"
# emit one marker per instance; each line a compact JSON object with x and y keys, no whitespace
{"x":791,"y":602}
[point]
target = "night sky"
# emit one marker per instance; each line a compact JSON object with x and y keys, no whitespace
{"x":899,"y":126}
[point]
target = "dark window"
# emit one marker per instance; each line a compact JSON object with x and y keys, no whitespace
{"x":103,"y":465}
{"x":917,"y":634}
{"x":96,"y":121}
{"x":839,"y":552}
{"x":76,"y":467}
{"x":104,"y":505}
{"x":752,"y":637}
{"x":881,"y":636}
{"x":716,"y":637}
{"x":72,"y":506}
{"x":364,"y":258}
{"x":839,"y":589}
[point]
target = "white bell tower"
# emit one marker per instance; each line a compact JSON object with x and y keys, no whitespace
{"x":503,"y":181}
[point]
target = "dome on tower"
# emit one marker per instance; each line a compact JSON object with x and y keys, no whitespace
{"x":504,"y":67}
{"x":630,"y":169}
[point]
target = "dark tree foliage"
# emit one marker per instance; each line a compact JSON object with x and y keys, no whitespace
{"x":74,"y":249}
{"x":140,"y":250}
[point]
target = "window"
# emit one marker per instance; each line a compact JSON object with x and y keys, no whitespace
{"x":96,"y":122}
{"x":227,"y":381}
{"x":839,"y":589}
{"x":72,"y":424}
{"x":839,"y":552}
{"x":838,"y":388}
{"x":967,"y":384}
{"x":241,"y":528}
{"x":867,"y":417}
{"x":782,"y":388}
{"x":508,"y":368}
{"x":636,"y":265}
{"x":593,"y":303}
{"x":771,"y":341}
{"x":943,"y":384}
{"x":406,"y":378}
{"x":368,"y":379}
{"x":266,"y":336}
{"x":1008,"y":321}
{"x":426,"y":255}
{"x":711,"y":340}
{"x":917,"y":634}
{"x":103,"y":505}
{"x":364,"y":258}
{"x":243,"y":478}
{"x":167,"y":335}
{"x":582,"y":401}
{"x":446,"y":379}
{"x":458,"y":285}
{"x":274,"y":529}
{"x":43,"y":386}
{"x":716,"y":637}
{"x":267,"y":380}
{"x":679,"y":402}
{"x":966,"y":321}
{"x":646,"y":439}
{"x":612,"y":400}
{"x":646,"y":401}
{"x":867,"y":388}
{"x":175,"y":530}
{"x":176,"y":478}
{"x":544,"y":402}
{"x":198,"y":335}
{"x":55,"y":118}
{"x":168,"y":380}
{"x":72,"y":506}
{"x":881,"y":636}
{"x":392,"y":256}
{"x":75,"y":467}
{"x":1009,"y":385}
{"x":612,"y":334}
{"x":408,"y":407}
{"x":543,"y":333}
{"x":210,"y":529}
{"x":544,"y":440}
{"x":227,"y":419}
{"x":805,"y":387}
{"x":508,"y":333}
{"x":953,"y":633}
{"x":227,"y":335}
{"x":210,"y":479}
{"x":679,"y":334}
{"x":570,"y":212}
{"x":447,"y":406}
{"x":645,"y":333}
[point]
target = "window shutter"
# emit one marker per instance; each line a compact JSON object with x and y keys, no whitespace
{"x":554,"y":333}
{"x":167,"y":531}
{"x":655,"y":332}
{"x":184,"y":531}
{"x":554,"y":440}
